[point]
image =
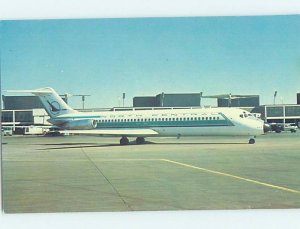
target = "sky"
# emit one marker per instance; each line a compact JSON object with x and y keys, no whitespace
{"x":147,"y":56}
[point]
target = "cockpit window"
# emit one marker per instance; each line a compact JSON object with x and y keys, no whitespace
{"x":241,"y":115}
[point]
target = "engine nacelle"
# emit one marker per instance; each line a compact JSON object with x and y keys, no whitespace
{"x":84,"y":124}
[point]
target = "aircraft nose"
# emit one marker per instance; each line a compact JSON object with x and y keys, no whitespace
{"x":267,"y":127}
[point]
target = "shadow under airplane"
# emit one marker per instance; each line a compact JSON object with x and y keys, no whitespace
{"x":94,"y":145}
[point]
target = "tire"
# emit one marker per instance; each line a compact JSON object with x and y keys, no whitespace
{"x":140,"y":140}
{"x":277,"y":130}
{"x":124,"y":141}
{"x":251,"y":141}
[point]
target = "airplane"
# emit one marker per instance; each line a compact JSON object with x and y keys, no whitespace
{"x":154,"y":122}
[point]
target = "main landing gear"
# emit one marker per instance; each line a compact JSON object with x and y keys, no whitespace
{"x":139,"y":140}
{"x":124,"y":141}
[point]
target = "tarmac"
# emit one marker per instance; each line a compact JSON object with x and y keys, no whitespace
{"x":95,"y":174}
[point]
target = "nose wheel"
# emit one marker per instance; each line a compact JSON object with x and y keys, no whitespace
{"x":251,"y":141}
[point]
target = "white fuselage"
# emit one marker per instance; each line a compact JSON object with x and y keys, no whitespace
{"x":174,"y":122}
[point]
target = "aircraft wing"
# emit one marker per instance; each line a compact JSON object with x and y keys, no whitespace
{"x":114,"y":132}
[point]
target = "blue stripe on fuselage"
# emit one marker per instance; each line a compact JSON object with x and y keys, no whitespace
{"x":150,"y":124}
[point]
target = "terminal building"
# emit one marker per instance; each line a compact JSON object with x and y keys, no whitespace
{"x":252,"y":101}
{"x":168,"y":100}
{"x":191,"y":100}
{"x":21,"y":111}
{"x":281,"y":113}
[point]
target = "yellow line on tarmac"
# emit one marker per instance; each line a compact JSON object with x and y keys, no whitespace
{"x":79,"y":160}
{"x":233,"y":176}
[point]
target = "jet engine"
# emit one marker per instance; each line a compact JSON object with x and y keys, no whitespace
{"x":84,"y":124}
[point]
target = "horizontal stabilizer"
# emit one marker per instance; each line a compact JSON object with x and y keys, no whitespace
{"x":114,"y":132}
{"x":36,"y":91}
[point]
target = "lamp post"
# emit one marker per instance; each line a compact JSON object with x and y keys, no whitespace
{"x":123,"y":98}
{"x":275,"y":94}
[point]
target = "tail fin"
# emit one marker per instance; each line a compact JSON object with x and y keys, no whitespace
{"x":53,"y":103}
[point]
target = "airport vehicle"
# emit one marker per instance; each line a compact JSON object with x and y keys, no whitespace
{"x":35,"y":130}
{"x":276,"y":127}
{"x":291,"y":127}
{"x":6,"y":131}
{"x":279,"y":127}
{"x":153,"y":122}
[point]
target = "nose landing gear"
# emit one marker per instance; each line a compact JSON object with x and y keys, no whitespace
{"x":252,"y":140}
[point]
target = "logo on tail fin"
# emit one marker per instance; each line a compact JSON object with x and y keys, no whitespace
{"x":54,"y":107}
